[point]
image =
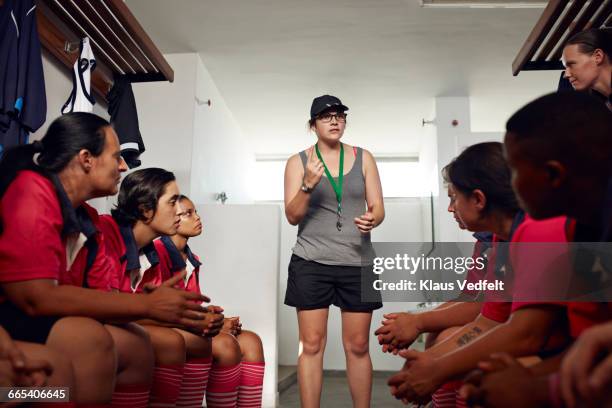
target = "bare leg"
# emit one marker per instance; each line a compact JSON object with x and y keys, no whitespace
{"x":91,"y":349}
{"x":355,"y":338}
{"x":251,"y":346}
{"x":313,"y":337}
{"x":168,"y":345}
{"x":135,"y":354}
{"x":196,"y":346}
{"x":226,"y":350}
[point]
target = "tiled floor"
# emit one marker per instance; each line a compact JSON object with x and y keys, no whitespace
{"x":336,"y":392}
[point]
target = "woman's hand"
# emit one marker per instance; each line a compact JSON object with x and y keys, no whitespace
{"x":314,"y":170}
{"x":366,"y":222}
{"x":398,"y":331}
{"x":16,"y":369}
{"x":232,"y":326}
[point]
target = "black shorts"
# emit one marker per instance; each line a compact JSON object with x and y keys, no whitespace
{"x":311,"y":285}
{"x":22,"y":327}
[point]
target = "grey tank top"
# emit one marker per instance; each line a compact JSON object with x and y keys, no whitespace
{"x":318,"y":238}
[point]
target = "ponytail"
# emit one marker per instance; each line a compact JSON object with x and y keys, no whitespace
{"x":66,"y":137}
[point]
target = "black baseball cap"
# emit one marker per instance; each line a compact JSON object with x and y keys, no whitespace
{"x":321,"y":103}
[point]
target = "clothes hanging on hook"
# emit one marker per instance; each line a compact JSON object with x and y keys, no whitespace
{"x":81,"y":99}
{"x":124,"y":117}
{"x":23,"y":102}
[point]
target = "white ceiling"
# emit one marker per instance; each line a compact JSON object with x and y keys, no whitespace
{"x":386,"y":59}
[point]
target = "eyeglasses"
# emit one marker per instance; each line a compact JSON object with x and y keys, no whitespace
{"x":327,"y":117}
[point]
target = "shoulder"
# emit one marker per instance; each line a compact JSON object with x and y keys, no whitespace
{"x":549,"y":230}
{"x":367,"y":156}
{"x":162,"y":252}
{"x":293,"y":159}
{"x":295,"y":162}
{"x":368,"y":163}
{"x":30,"y":199}
{"x":112,"y":236}
{"x":92,"y":213}
{"x":32,"y":184}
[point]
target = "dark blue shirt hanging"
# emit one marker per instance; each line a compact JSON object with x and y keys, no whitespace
{"x":23,"y":102}
{"x":124,"y":118}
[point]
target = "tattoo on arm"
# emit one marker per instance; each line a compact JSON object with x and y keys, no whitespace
{"x":469,"y":336}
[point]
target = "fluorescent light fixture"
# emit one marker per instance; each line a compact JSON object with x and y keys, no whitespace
{"x":506,"y":4}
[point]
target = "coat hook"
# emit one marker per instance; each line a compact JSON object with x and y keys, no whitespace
{"x":201,"y":102}
{"x":428,"y":122}
{"x":70,"y":47}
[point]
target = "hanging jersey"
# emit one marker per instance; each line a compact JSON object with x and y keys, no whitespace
{"x":124,"y":118}
{"x":23,"y":102}
{"x":80,"y":99}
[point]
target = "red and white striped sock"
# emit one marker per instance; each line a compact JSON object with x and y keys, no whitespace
{"x":131,"y":396}
{"x":445,"y":396}
{"x":251,"y":384}
{"x":222,"y":390}
{"x":67,"y":404}
{"x":166,"y":385}
{"x":460,"y":402}
{"x":195,"y":378}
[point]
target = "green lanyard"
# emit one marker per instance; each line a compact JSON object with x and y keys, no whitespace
{"x":337,"y":187}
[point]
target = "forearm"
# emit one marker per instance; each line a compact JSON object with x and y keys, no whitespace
{"x":507,"y":337}
{"x":378,"y":212}
{"x":463,"y":336}
{"x":548,"y":366}
{"x":66,"y":300}
{"x":296,"y":210}
{"x":454,"y":314}
{"x":151,"y":322}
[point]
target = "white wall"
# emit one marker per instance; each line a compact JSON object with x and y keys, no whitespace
{"x":239,"y":250}
{"x":166,"y":117}
{"x":451,"y":140}
{"x":223,"y":159}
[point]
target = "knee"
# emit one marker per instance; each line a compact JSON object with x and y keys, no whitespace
{"x":357,"y":346}
{"x":82,"y":336}
{"x":251,"y":346}
{"x":196,"y":346}
{"x":168,"y":345}
{"x":134,"y":346}
{"x":226,"y":350}
{"x":312,"y":344}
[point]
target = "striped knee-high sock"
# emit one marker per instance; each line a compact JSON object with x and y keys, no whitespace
{"x":251,"y":384}
{"x":166,"y":385}
{"x":460,"y":402}
{"x":445,"y":396}
{"x":222,"y":389}
{"x":195,"y":379}
{"x":131,"y":396}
